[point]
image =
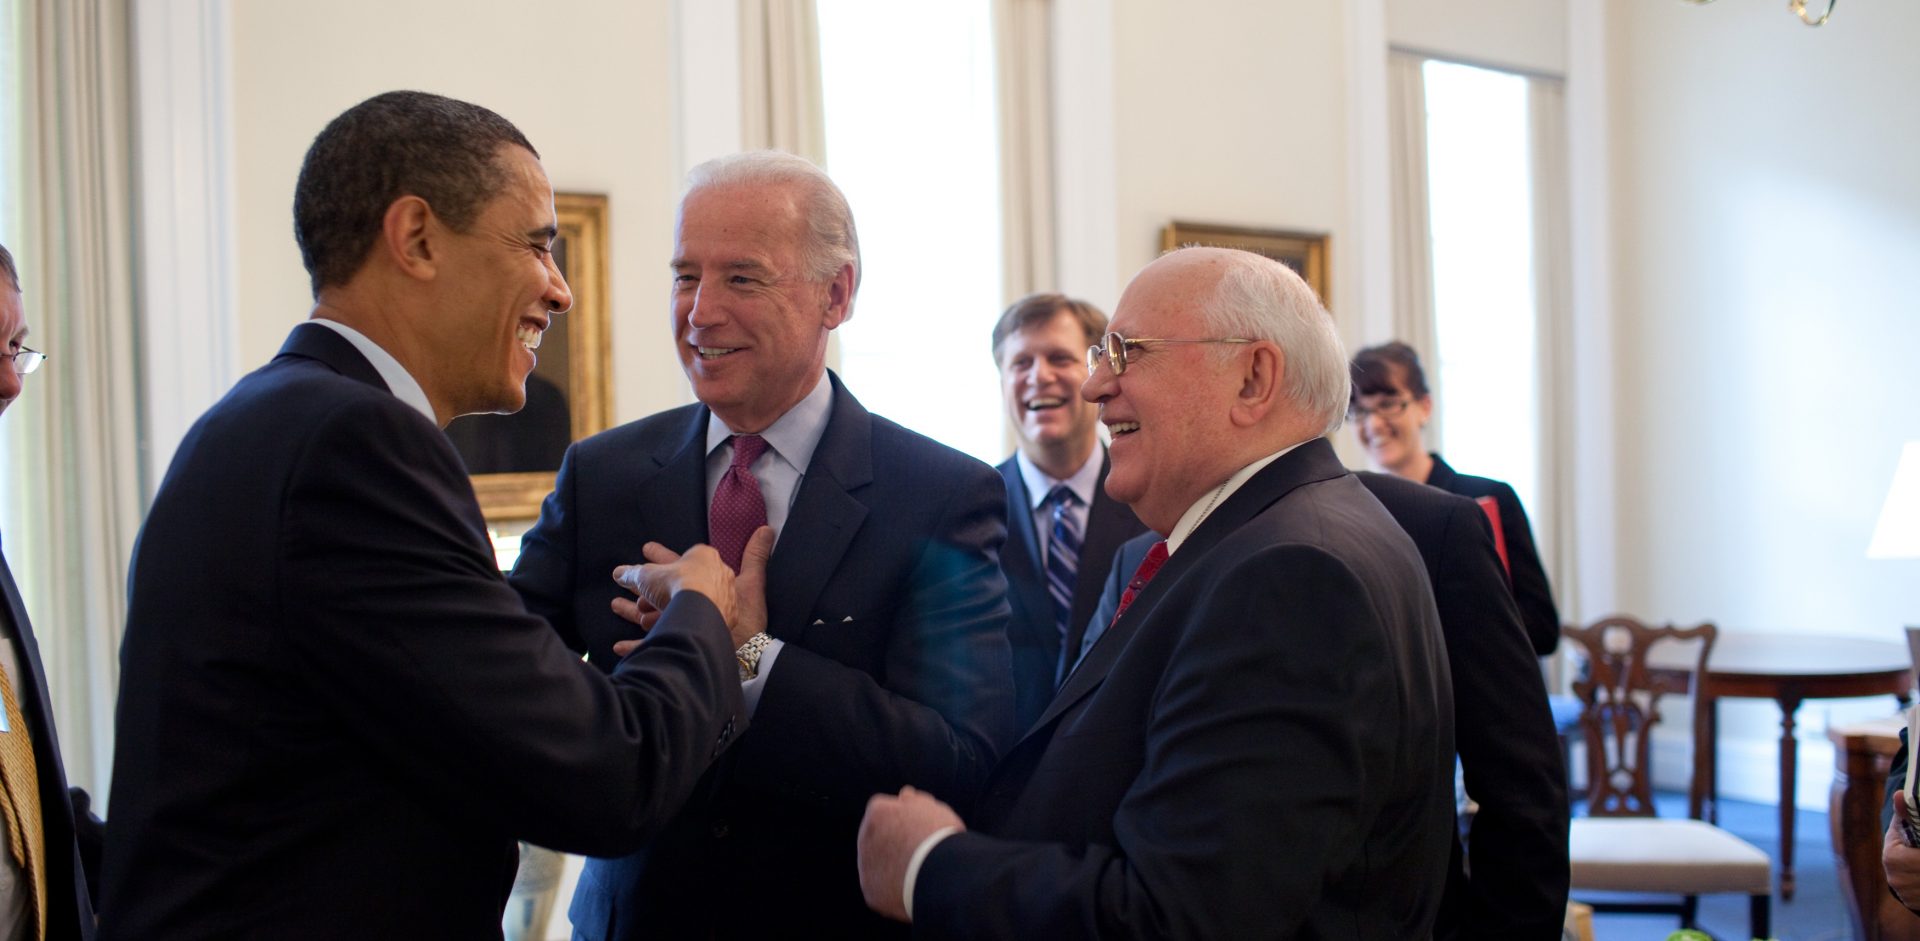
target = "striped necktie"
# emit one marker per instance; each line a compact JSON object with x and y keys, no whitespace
{"x":1063,"y":557}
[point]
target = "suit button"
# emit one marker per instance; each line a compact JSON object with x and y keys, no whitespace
{"x":720,"y":830}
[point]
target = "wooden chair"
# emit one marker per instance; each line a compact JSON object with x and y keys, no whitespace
{"x":1620,"y":845}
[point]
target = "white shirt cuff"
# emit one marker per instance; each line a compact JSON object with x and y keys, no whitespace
{"x":750,"y":690}
{"x":920,"y":856}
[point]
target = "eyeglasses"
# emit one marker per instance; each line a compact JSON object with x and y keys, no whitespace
{"x":1116,"y":351}
{"x":26,"y":360}
{"x":1392,"y":406}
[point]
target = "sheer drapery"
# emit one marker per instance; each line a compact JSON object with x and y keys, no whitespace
{"x":73,"y":439}
{"x":1553,"y":304}
{"x":780,"y":105}
{"x":1412,"y":225}
{"x":1023,"y":46}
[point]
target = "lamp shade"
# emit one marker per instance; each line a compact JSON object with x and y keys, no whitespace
{"x":1897,"y":535}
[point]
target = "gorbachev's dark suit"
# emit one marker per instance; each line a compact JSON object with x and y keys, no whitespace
{"x":1508,"y":747}
{"x":68,"y":841}
{"x":1262,"y":746}
{"x":885,"y":586}
{"x":1036,"y":644}
{"x":335,"y":717}
{"x":1525,"y":573}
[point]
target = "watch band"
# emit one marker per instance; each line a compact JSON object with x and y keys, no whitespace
{"x":748,"y":656}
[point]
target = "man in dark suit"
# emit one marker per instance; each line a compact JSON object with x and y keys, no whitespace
{"x":1262,"y":741}
{"x":45,"y":874}
{"x":335,"y":717}
{"x":881,"y":659}
{"x":1510,"y":879}
{"x":1062,"y":527}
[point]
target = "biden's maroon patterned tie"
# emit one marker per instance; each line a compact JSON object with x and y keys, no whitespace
{"x":738,"y":508}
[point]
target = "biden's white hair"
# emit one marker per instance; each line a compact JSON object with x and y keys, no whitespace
{"x":831,"y":239}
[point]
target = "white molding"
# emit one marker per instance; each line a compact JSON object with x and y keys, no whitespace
{"x":1369,"y":244}
{"x":184,"y":176}
{"x":706,"y":72}
{"x":1086,"y":174}
{"x":1590,"y":237}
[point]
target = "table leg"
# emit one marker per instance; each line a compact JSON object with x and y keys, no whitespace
{"x":1703,"y":748}
{"x":1788,"y":761}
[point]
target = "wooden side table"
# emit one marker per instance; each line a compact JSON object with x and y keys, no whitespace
{"x":1789,"y":669}
{"x":1862,"y":756}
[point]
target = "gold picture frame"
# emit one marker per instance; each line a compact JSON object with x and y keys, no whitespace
{"x":1304,"y":252}
{"x":569,"y":395}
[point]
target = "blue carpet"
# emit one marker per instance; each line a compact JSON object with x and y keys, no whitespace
{"x":1817,"y":912}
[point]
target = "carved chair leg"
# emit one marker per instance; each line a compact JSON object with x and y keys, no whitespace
{"x":1760,"y":914}
{"x":1689,"y":911}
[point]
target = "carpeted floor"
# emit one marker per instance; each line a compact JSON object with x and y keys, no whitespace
{"x":1817,"y":912}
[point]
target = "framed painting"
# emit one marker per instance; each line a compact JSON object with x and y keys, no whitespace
{"x":1304,"y":252}
{"x":512,"y":458}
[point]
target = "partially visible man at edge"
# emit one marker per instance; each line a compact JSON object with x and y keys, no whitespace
{"x":1262,"y":742}
{"x":1062,"y":528}
{"x":47,"y":869}
{"x":880,"y":656}
{"x":335,"y":717}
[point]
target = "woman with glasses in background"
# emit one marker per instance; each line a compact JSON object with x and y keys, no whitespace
{"x":1389,"y":410}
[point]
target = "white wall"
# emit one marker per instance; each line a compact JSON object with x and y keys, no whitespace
{"x":1767,"y":225}
{"x":1231,"y":112}
{"x":589,"y":82}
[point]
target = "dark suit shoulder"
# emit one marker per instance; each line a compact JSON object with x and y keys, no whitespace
{"x":670,"y":426}
{"x":1413,"y":502}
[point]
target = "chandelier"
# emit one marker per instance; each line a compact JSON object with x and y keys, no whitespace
{"x":1799,"y":9}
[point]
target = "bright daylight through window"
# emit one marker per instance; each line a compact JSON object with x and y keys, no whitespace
{"x":1479,"y":186}
{"x":913,"y":139}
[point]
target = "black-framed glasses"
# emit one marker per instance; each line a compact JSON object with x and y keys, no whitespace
{"x":26,"y":360}
{"x":1117,"y":351}
{"x":1389,"y":406}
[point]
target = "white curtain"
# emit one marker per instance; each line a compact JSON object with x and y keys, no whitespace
{"x":1553,"y":312}
{"x":73,"y":440}
{"x":1412,"y":228}
{"x":1023,"y":44}
{"x":780,"y":104}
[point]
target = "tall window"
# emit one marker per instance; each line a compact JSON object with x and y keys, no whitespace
{"x":1480,"y":198}
{"x":912,"y":137}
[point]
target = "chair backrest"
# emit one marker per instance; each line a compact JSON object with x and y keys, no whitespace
{"x":1620,"y":703}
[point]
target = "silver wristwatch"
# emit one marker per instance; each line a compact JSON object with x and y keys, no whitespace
{"x":748,"y":656}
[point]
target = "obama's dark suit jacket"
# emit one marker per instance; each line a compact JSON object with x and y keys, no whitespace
{"x":1262,"y":745}
{"x":335,"y":717}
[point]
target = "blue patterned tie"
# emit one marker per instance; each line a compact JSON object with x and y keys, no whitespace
{"x":1063,"y":558}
